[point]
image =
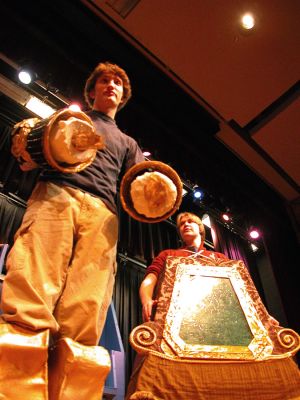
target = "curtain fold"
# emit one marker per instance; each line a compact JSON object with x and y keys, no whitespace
{"x":231,"y":245}
{"x":144,"y":241}
{"x":127,"y":306}
{"x":11,"y":215}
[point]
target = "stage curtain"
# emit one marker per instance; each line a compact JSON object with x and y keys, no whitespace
{"x":11,"y":215}
{"x":127,"y":305}
{"x":233,"y":246}
{"x":138,"y":244}
{"x":144,"y":241}
{"x":237,"y":248}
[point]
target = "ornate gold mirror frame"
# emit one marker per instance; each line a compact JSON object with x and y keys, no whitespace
{"x":210,"y":309}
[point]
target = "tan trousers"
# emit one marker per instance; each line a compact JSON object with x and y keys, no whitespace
{"x":61,"y":269}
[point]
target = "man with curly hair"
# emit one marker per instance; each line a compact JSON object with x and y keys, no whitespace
{"x":61,"y":269}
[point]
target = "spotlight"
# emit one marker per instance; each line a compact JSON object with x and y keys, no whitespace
{"x":248,"y":21}
{"x":254,"y":233}
{"x":226,"y":217}
{"x":146,"y":153}
{"x":26,"y":75}
{"x":74,"y":107}
{"x":197,"y":193}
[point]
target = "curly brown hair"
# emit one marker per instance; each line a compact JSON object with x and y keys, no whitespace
{"x":107,"y":67}
{"x":194,"y":218}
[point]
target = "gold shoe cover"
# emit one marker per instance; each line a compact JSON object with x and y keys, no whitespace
{"x":23,"y":363}
{"x":77,"y":371}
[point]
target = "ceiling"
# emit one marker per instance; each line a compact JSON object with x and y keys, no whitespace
{"x":240,"y":88}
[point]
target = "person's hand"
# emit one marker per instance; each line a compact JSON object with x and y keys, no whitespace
{"x":147,"y":309}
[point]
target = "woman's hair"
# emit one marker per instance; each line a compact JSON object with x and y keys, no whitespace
{"x":194,"y":218}
{"x":102,"y":68}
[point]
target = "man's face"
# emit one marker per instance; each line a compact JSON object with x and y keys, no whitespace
{"x":108,"y":92}
{"x":188,"y":229}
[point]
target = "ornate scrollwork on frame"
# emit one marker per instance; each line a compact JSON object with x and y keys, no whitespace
{"x":288,"y":339}
{"x":143,"y":336}
{"x":209,"y":308}
{"x":143,"y":395}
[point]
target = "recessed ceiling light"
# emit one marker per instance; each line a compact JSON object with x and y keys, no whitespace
{"x":248,"y":21}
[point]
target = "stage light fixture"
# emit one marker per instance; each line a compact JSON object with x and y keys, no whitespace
{"x":26,"y":75}
{"x":226,"y":217}
{"x":197,"y":193}
{"x":74,"y":107}
{"x":248,"y":21}
{"x":146,"y":153}
{"x":254,"y":233}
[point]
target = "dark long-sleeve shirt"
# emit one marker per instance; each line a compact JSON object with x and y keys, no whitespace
{"x":100,"y":178}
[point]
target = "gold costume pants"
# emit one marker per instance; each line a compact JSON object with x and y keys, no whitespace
{"x":73,"y":371}
{"x":61,"y":269}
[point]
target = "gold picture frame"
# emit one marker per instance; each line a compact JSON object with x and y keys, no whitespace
{"x":209,"y":309}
